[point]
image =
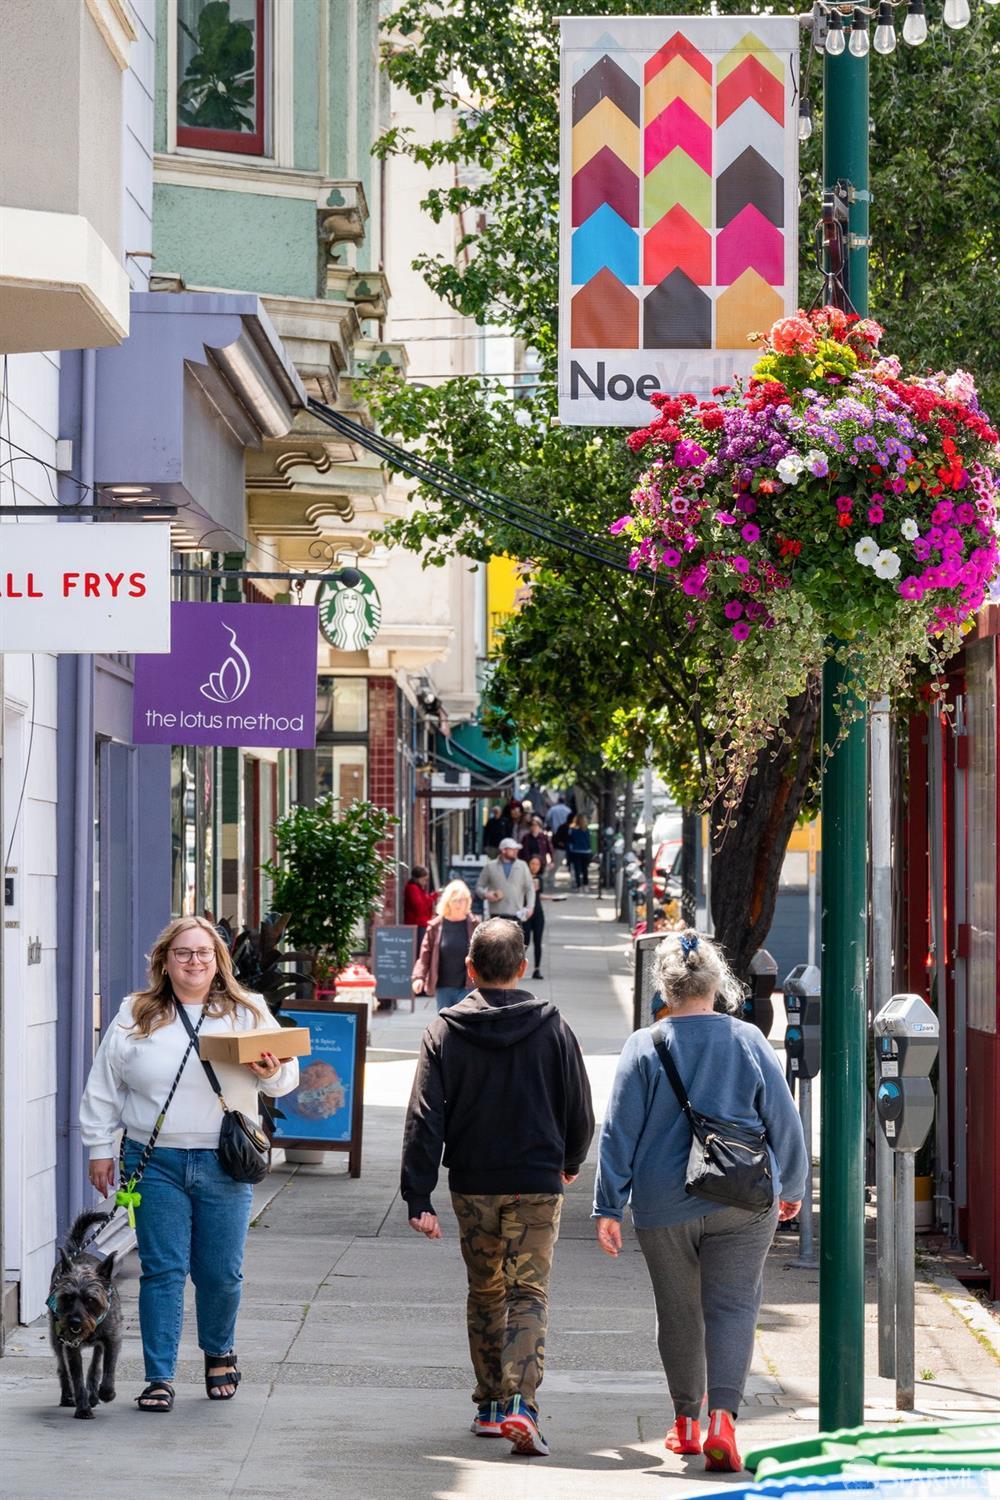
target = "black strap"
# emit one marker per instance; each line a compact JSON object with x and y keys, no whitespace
{"x":670,"y":1068}
{"x":210,"y":1072}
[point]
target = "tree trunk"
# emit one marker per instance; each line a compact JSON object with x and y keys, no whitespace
{"x":750,"y":848}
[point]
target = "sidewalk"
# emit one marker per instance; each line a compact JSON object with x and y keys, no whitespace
{"x":352,"y":1338}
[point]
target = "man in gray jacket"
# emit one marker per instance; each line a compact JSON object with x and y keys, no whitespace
{"x":506,"y":884}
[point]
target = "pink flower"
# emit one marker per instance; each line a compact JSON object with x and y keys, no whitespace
{"x":740,"y":630}
{"x":733,"y":610}
{"x":942,"y":512}
{"x":922,"y":548}
{"x":619,"y":525}
{"x":725,"y":517}
{"x":671,"y":557}
{"x":844,"y":504}
{"x":896,"y":485}
{"x":911,"y":588}
{"x":750,"y":532}
{"x":740,"y":563}
{"x":789,"y":334}
{"x":875,"y":514}
{"x":965,"y":513}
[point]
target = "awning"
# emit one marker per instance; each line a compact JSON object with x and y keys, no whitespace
{"x":202,"y":377}
{"x":468,"y":748}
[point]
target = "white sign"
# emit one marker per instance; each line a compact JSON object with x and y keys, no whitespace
{"x":72,"y":586}
{"x":453,"y":780}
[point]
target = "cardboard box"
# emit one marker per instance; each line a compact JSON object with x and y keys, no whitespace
{"x":248,"y":1046}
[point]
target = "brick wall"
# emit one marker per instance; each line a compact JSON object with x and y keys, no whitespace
{"x":382,"y":767}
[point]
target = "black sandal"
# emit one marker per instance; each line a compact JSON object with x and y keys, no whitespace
{"x":158,"y":1396}
{"x":230,"y":1376}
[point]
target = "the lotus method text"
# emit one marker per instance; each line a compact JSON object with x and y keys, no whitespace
{"x":282,"y":723}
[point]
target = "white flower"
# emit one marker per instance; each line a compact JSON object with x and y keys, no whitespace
{"x":815,"y":456}
{"x":910,"y":529}
{"x":886,"y":565}
{"x":789,"y":468}
{"x":866,"y":551}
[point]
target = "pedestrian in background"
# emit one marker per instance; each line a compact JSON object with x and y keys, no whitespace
{"x":534,"y":926}
{"x":579,"y":852}
{"x":536,"y":844}
{"x":193,"y":1217}
{"x":705,"y":1259}
{"x":496,"y":827}
{"x":501,"y":1088}
{"x":418,"y":901}
{"x":440,"y":966}
{"x":558,"y":814}
{"x":506,"y":885}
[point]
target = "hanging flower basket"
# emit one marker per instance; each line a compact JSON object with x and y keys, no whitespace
{"x":830,"y":506}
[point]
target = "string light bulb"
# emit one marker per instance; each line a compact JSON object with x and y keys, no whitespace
{"x":885,"y":31}
{"x":915,"y":25}
{"x":805,"y":118}
{"x":956,"y":14}
{"x":858,"y":45}
{"x":835,"y":43}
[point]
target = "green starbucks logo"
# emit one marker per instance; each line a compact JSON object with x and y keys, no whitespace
{"x":349,"y":613}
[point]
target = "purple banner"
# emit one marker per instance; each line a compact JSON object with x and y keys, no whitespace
{"x":236,"y":674}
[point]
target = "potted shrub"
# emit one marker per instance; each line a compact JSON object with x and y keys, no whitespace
{"x":329,"y":877}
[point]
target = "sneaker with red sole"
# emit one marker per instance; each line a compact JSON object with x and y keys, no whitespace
{"x":520,"y":1427}
{"x":684,"y":1436}
{"x":489,"y":1418}
{"x":720,"y":1450}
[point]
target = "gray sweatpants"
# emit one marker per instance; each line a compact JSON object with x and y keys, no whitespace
{"x":708,"y":1277}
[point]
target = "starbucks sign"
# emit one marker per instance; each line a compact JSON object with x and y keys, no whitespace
{"x":349,"y":613}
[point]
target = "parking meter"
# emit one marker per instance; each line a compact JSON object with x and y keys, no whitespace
{"x":644,"y":949}
{"x":802,"y":1033}
{"x":906,"y":1044}
{"x":758,"y":1008}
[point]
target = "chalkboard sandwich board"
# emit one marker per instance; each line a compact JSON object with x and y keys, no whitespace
{"x":393,"y":956}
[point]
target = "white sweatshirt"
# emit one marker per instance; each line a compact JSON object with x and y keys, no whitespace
{"x":131,"y":1078}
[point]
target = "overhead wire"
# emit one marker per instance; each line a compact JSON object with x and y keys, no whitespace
{"x":519,"y":516}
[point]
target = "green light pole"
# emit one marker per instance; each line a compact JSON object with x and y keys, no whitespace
{"x":844,"y":933}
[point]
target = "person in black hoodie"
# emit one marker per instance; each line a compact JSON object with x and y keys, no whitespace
{"x":501,"y":1088}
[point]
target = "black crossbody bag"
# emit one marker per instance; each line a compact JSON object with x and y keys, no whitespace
{"x":728,"y":1163}
{"x":244,"y":1150}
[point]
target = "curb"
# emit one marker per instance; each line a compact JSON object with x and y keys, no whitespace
{"x":978,"y":1318}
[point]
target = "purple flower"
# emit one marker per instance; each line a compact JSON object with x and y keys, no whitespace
{"x":671,"y":557}
{"x":819,"y":468}
{"x":755,"y":610}
{"x":690,"y":541}
{"x":725,"y":517}
{"x":733,"y":610}
{"x":922,"y":548}
{"x":689,"y":454}
{"x":750,"y":532}
{"x":740,"y":630}
{"x":911,"y":588}
{"x":740,"y":563}
{"x":618,"y":526}
{"x":965,"y":513}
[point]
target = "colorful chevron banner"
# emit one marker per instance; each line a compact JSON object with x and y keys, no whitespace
{"x":678,"y":233}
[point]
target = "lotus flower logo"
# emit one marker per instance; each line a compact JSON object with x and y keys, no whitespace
{"x":233,"y":677}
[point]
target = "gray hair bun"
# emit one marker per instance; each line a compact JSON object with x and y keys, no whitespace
{"x":688,"y":965}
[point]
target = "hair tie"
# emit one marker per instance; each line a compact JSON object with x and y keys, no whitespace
{"x":689,"y":943}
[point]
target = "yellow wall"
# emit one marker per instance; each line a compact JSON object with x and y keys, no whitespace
{"x":504,"y":582}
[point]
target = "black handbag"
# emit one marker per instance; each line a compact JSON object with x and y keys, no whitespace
{"x":728,"y":1163}
{"x":244,"y":1150}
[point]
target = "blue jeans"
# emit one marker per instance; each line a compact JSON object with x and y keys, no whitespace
{"x":193,"y":1220}
{"x":450,"y":994}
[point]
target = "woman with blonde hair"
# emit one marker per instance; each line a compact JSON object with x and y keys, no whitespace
{"x":705,"y":1259}
{"x":440,"y":966}
{"x":192,"y":1218}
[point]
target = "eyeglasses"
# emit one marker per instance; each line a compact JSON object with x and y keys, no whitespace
{"x":200,"y":955}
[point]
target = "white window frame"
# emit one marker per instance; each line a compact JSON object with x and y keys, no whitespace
{"x":279,"y":110}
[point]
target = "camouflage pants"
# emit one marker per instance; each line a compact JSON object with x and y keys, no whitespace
{"x":507,"y":1244}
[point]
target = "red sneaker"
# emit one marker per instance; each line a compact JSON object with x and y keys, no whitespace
{"x":720,"y":1448}
{"x":684,"y":1436}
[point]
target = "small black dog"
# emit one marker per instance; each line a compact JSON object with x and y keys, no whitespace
{"x":84,"y":1312}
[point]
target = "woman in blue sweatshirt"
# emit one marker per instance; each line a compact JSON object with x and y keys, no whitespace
{"x":705,"y":1260}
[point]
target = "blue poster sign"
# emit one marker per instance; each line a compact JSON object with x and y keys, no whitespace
{"x":321,"y":1109}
